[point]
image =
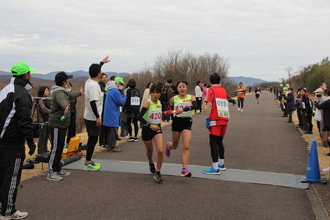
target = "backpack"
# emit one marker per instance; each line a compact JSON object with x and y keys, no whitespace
{"x":164,"y":97}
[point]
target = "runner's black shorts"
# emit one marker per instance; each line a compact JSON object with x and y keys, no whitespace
{"x":148,"y":134}
{"x":180,"y":123}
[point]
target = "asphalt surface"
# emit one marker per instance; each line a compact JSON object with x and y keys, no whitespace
{"x":258,"y":139}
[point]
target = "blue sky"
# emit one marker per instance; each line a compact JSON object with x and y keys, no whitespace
{"x":258,"y":38}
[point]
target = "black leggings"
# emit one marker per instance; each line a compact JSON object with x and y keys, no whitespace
{"x":217,"y":148}
{"x":240,"y":102}
{"x":92,"y":140}
{"x":129,"y":126}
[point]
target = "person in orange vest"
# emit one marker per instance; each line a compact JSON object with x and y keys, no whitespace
{"x":240,"y":91}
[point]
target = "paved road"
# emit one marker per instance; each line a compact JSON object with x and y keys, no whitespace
{"x":258,"y":139}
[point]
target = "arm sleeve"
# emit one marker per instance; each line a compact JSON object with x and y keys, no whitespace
{"x":193,"y":106}
{"x":140,"y":116}
{"x":94,"y":108}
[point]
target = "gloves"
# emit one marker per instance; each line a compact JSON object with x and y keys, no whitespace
{"x":32,"y":146}
{"x":207,"y":123}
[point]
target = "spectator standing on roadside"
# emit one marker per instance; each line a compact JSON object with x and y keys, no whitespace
{"x":93,"y":112}
{"x":325,"y":106}
{"x":306,"y":111}
{"x":204,"y":91}
{"x":103,"y":132}
{"x":123,"y":117}
{"x":289,"y":97}
{"x":16,"y":128}
{"x":198,"y":95}
{"x":240,"y":91}
{"x":44,"y":109}
{"x":112,"y":111}
{"x":166,"y":97}
{"x":131,"y":109}
{"x":59,"y":121}
{"x":73,"y":110}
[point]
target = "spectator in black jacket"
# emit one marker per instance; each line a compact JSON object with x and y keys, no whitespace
{"x":306,"y":111}
{"x":325,"y":106}
{"x":15,"y":129}
{"x":290,"y":103}
{"x":132,"y":108}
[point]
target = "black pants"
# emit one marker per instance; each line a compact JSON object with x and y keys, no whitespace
{"x":129,"y":126}
{"x":71,"y":128}
{"x":57,"y":137}
{"x":199,"y":104}
{"x":103,"y":135}
{"x":300,"y":117}
{"x":240,"y":102}
{"x":11,"y":161}
{"x":217,"y":148}
{"x":43,"y":139}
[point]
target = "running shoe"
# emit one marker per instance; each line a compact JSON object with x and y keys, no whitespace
{"x":239,"y":109}
{"x":95,"y":164}
{"x":91,"y":167}
{"x":168,"y":152}
{"x":64,"y":173}
{"x":131,"y":139}
{"x":212,"y":171}
{"x":221,"y":167}
{"x":113,"y":149}
{"x":54,"y":177}
{"x":158,"y":177}
{"x":326,"y":169}
{"x":17,"y":215}
{"x":152,"y":168}
{"x":135,"y":140}
{"x":185,"y":172}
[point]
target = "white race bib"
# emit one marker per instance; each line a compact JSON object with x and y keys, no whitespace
{"x":154,"y":117}
{"x":222,"y":107}
{"x":135,"y":101}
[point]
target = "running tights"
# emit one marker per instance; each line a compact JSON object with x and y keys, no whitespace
{"x":92,"y":140}
{"x":217,"y":148}
{"x":129,"y":126}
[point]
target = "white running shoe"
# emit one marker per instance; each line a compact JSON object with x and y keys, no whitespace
{"x":326,"y":169}
{"x":238,"y":109}
{"x":241,"y":110}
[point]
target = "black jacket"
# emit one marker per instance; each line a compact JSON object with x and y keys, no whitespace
{"x":325,"y":106}
{"x":290,"y":101}
{"x":130,"y":106}
{"x":15,"y":108}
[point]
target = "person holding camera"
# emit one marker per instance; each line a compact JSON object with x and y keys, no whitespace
{"x":15,"y":129}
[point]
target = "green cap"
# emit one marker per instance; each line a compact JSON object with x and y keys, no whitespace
{"x":287,"y":85}
{"x":119,"y":79}
{"x":285,"y":88}
{"x":281,"y":84}
{"x":21,"y":68}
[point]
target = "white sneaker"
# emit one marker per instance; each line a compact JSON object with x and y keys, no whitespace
{"x":63,"y":173}
{"x":326,"y":169}
{"x":241,"y":110}
{"x":238,"y":109}
{"x":54,"y":177}
{"x":17,"y":215}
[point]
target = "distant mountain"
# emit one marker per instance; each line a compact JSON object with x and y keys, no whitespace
{"x":247,"y":81}
{"x":76,"y":74}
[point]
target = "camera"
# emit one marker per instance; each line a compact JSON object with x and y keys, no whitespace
{"x":319,"y":95}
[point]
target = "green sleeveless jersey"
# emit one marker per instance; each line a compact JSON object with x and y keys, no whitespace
{"x":154,"y":113}
{"x":182,"y":103}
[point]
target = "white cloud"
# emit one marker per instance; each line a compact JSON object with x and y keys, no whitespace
{"x":259,"y":38}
